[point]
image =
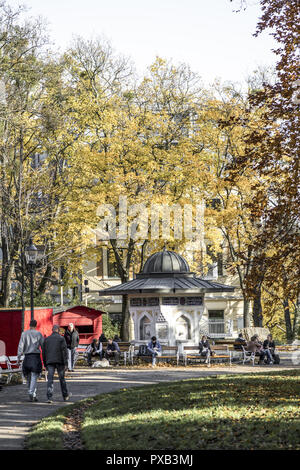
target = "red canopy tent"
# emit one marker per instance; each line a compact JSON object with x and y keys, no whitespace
{"x":87,"y":321}
{"x":11,"y":321}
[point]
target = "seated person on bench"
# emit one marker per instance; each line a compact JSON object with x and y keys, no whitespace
{"x":154,"y":348}
{"x":269,"y":348}
{"x":204,"y":347}
{"x":255,"y":346}
{"x":94,"y":349}
{"x":239,"y":342}
{"x":112,"y":350}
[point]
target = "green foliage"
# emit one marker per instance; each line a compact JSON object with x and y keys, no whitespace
{"x":41,"y":300}
{"x":109,"y":328}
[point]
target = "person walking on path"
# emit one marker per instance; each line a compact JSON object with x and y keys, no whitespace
{"x":72,"y":340}
{"x":29,"y":345}
{"x":55,"y":356}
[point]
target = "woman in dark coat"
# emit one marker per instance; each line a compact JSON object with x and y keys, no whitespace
{"x":204,"y":347}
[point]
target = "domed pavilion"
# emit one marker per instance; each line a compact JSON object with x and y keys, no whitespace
{"x":167,"y":300}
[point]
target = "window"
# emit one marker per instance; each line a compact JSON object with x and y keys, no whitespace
{"x":183,"y":328}
{"x":138,"y":301}
{"x":170,"y":300}
{"x":216,"y":322}
{"x":216,"y":315}
{"x":85,"y":329}
{"x":240,"y":323}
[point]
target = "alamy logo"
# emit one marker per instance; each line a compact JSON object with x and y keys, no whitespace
{"x":138,"y":222}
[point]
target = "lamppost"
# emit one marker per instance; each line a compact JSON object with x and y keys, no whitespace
{"x":31,"y":253}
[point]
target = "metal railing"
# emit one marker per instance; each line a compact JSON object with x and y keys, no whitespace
{"x":216,"y":329}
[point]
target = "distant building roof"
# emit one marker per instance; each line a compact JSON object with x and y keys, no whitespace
{"x":166,"y":272}
{"x":77,"y":309}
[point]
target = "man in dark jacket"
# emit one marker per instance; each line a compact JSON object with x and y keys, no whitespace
{"x":72,"y":340}
{"x":55,"y":356}
{"x":239,"y":342}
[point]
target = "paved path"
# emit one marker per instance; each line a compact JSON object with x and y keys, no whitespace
{"x":17,"y":415}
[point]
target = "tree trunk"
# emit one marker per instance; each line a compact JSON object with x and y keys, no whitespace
{"x":44,"y":281}
{"x":143,"y":254}
{"x":257,"y":309}
{"x":288,"y":322}
{"x":22,"y":291}
{"x":7,"y":272}
{"x":126,"y":327}
{"x":246,"y":313}
{"x":296,"y":322}
{"x":123,"y":270}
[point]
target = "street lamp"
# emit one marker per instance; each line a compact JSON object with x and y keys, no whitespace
{"x":31,"y":253}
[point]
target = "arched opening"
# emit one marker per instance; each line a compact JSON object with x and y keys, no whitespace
{"x":145,"y":328}
{"x":183,"y":328}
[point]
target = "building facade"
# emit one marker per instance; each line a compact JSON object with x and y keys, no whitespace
{"x":170,"y":302}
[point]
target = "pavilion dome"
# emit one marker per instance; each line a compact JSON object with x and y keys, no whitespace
{"x":165,"y":262}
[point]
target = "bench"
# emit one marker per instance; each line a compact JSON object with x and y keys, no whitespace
{"x":248,"y":356}
{"x":190,"y":354}
{"x":288,"y":348}
{"x":220,"y":351}
{"x":168,"y":353}
{"x":82,"y":354}
{"x":172,"y":353}
{"x":124,"y":348}
{"x":12,"y":366}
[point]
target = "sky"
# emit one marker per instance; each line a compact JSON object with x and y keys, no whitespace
{"x":206,"y":34}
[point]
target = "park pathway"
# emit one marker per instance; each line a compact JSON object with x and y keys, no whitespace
{"x":17,"y":415}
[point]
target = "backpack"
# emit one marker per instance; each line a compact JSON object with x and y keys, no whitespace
{"x":143,"y":350}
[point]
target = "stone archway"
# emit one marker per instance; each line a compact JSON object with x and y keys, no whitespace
{"x":145,"y":328}
{"x":183,"y":328}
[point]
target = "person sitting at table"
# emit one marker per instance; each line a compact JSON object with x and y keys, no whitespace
{"x":112,"y":350}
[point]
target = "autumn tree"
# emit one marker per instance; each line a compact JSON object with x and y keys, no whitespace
{"x":138,"y":143}
{"x":273,"y":150}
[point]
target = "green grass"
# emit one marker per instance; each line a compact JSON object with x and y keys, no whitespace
{"x":236,"y":412}
{"x":227,"y":412}
{"x":48,"y":433}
